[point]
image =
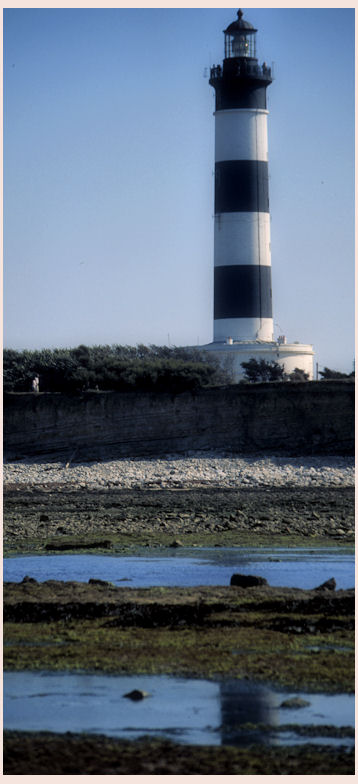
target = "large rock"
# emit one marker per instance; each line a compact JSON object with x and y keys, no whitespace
{"x":247,"y":580}
{"x":329,"y":585}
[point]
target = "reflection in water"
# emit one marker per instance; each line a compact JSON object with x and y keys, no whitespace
{"x":186,"y":710}
{"x":244,"y":703}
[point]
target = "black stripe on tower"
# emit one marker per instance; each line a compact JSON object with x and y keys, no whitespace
{"x":242,"y":291}
{"x":241,"y":186}
{"x":231,"y":95}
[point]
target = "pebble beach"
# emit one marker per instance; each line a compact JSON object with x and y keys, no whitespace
{"x":195,"y":469}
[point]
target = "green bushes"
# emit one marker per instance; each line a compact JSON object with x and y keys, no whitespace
{"x":122,"y":368}
{"x":260,"y":370}
{"x":327,"y":374}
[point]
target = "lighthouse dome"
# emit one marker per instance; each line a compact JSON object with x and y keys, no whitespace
{"x":240,"y":25}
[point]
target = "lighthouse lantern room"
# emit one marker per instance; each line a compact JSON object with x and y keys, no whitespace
{"x":240,"y":39}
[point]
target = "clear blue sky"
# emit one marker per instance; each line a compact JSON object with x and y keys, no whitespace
{"x":108,"y":175}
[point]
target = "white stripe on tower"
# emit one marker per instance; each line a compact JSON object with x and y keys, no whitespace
{"x":241,"y":135}
{"x":242,"y":254}
{"x":242,"y":238}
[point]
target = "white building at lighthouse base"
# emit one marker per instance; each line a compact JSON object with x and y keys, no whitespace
{"x":232,"y":353}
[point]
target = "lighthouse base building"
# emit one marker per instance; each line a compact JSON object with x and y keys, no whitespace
{"x":290,"y":356}
{"x":243,"y":319}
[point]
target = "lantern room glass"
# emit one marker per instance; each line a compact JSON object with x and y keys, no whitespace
{"x":240,"y":44}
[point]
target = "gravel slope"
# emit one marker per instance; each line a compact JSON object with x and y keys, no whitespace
{"x":193,"y":470}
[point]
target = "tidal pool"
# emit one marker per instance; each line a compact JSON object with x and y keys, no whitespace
{"x":185,"y":710}
{"x":189,"y":566}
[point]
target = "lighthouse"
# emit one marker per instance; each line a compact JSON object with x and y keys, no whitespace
{"x":243,"y":316}
{"x":242,"y":256}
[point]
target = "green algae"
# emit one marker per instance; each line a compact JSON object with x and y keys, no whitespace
{"x":288,"y":636}
{"x":245,"y":652}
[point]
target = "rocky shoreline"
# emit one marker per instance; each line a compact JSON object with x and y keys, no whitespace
{"x":46,"y":517}
{"x":198,"y":499}
{"x":222,"y":499}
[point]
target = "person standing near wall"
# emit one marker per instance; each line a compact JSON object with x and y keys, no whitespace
{"x":35,"y":385}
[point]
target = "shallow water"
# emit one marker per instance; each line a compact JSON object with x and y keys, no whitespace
{"x":294,"y":567}
{"x":186,"y":710}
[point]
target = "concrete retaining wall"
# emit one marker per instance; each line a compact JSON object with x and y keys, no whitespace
{"x":280,"y":418}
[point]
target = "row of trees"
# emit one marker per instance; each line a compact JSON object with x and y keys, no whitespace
{"x":327,"y":373}
{"x":125,"y":368}
{"x":256,"y":370}
{"x":121,"y":368}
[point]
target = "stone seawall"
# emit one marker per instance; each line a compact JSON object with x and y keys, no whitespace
{"x":303,"y":418}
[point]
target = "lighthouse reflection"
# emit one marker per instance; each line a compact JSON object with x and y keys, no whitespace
{"x":247,"y":710}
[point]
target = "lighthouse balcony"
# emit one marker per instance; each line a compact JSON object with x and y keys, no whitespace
{"x":238,"y":67}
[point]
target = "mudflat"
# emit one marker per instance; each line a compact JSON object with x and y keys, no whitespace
{"x":36,"y":516}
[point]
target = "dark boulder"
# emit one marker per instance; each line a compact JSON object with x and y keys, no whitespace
{"x":247,"y":580}
{"x":136,"y":695}
{"x":75,"y":545}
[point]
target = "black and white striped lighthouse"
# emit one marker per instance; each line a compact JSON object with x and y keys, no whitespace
{"x":242,"y":256}
{"x":243,"y":322}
